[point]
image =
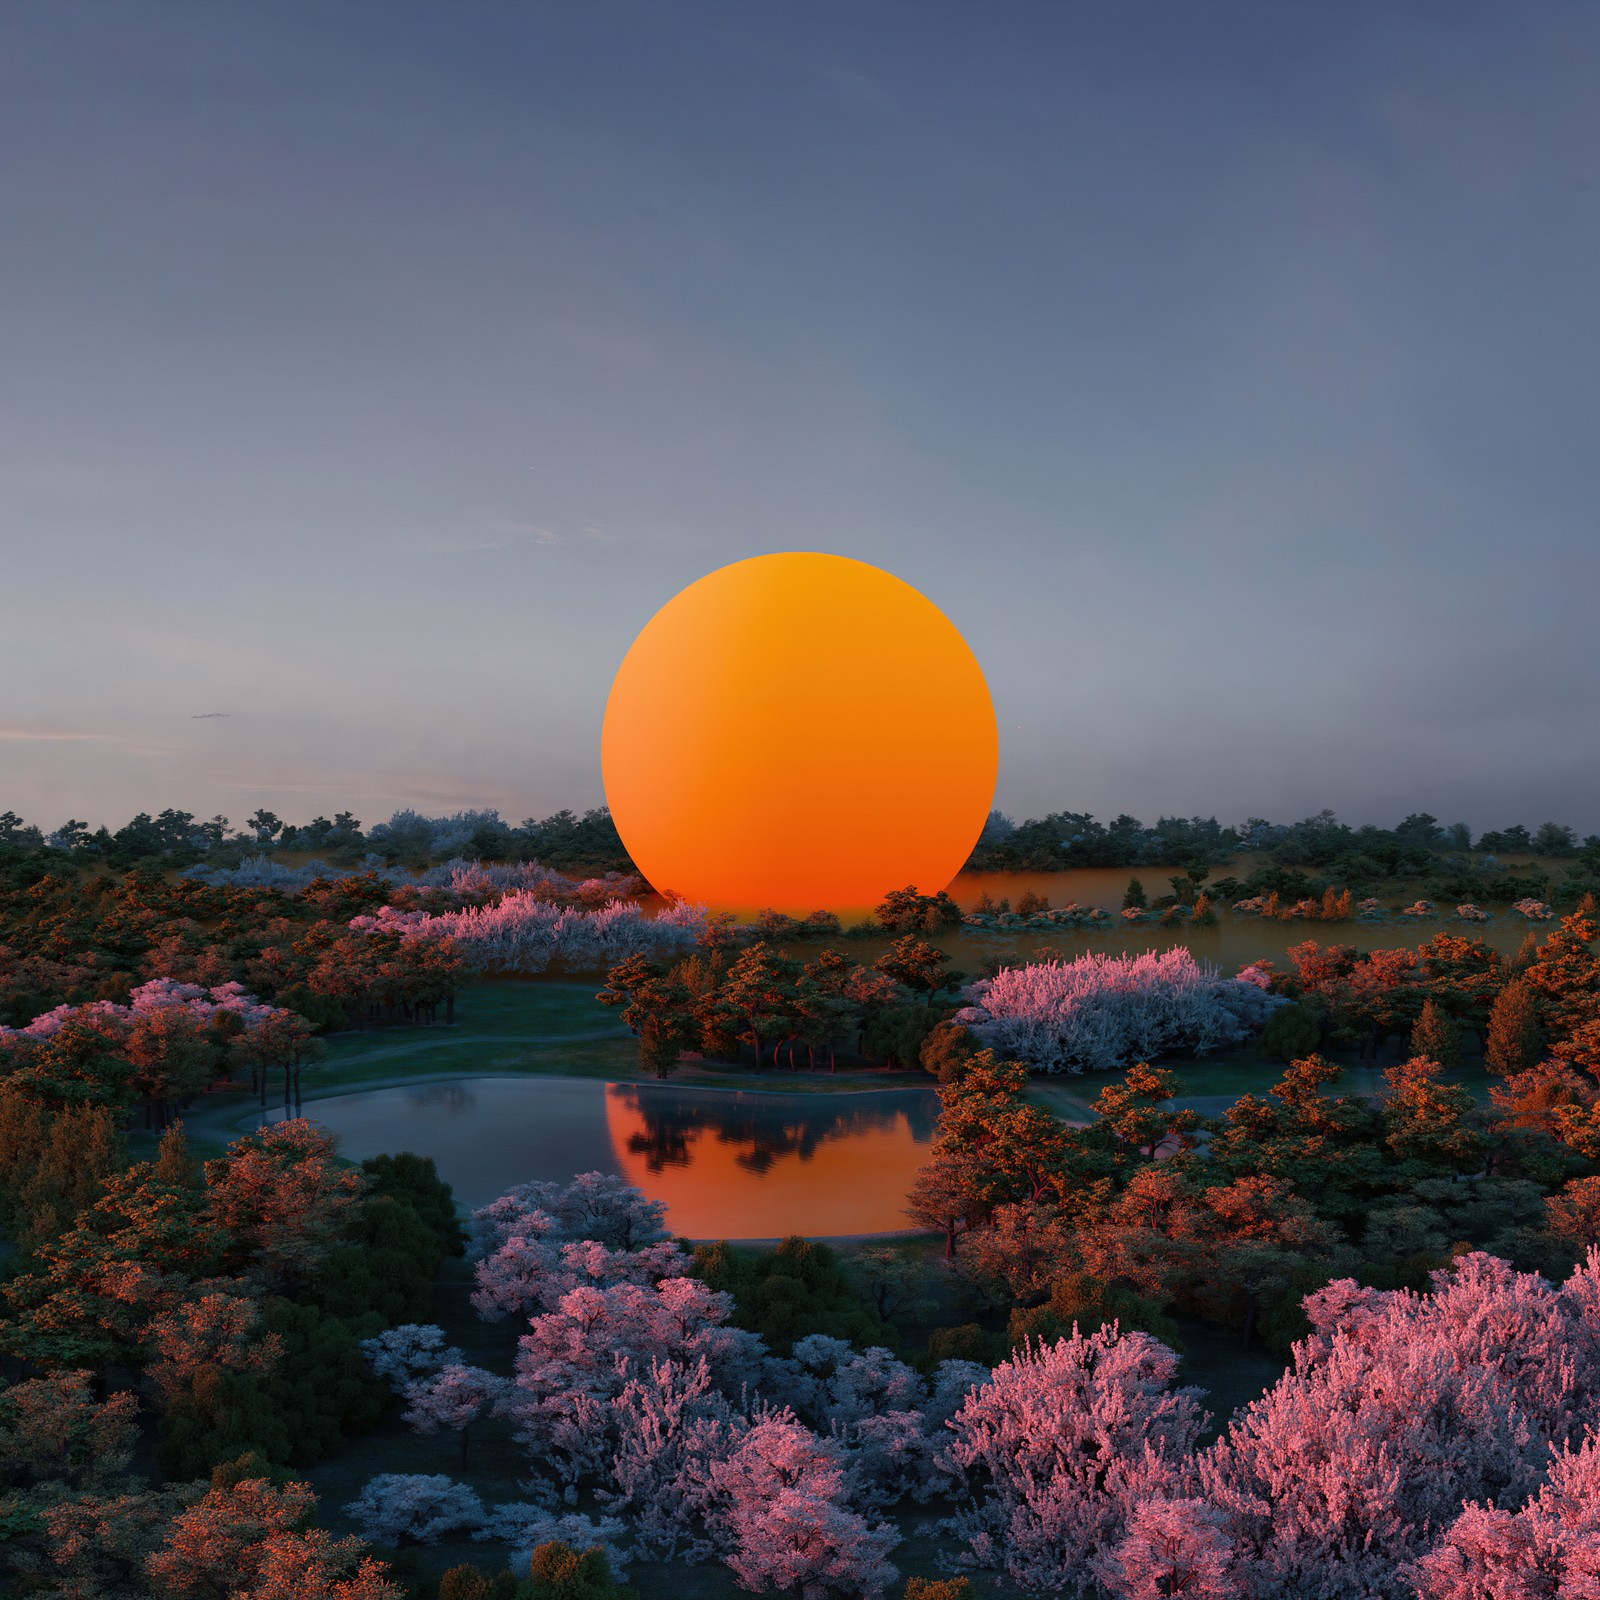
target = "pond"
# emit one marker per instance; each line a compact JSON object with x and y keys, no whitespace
{"x":728,"y":1164}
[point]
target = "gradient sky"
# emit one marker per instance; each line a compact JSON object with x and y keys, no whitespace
{"x":1229,"y":374}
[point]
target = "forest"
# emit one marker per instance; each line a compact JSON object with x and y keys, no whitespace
{"x":1300,"y":858}
{"x":1380,"y":1256}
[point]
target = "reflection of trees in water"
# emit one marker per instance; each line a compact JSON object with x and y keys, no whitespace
{"x":762,"y":1134}
{"x":451,"y":1098}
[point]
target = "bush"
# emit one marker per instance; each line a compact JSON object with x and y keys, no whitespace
{"x":785,"y":1294}
{"x":294,"y":1414}
{"x":1087,"y":1302}
{"x":895,"y":1034}
{"x":946,"y":1050}
{"x":415,"y":1180}
{"x":468,"y":1582}
{"x":938,"y":1588}
{"x":557,"y":1572}
{"x":416,"y":1506}
{"x":967,"y":1341}
{"x":1291,"y":1032}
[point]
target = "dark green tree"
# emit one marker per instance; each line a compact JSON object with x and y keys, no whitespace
{"x":919,"y":966}
{"x":1435,"y":1037}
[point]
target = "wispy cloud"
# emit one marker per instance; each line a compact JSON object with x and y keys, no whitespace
{"x":201,"y":716}
{"x":52,"y":733}
{"x":281,"y":788}
{"x":499,"y":534}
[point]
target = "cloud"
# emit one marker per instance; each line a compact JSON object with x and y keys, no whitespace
{"x":51,"y":733}
{"x":499,"y":534}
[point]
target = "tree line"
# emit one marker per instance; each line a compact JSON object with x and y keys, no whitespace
{"x":1296,"y":858}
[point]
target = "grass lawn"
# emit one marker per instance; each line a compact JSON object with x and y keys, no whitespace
{"x":512,"y":1027}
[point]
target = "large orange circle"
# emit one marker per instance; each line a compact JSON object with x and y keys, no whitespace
{"x":799,"y":731}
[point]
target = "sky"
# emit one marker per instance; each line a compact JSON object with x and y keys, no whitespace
{"x":1228,"y":374}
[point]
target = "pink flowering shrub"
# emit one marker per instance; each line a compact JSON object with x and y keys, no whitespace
{"x":1101,"y":1012}
{"x":594,"y":1206}
{"x":540,"y":1241}
{"x":1399,"y":1408}
{"x":575,"y":1361}
{"x":672,"y":1424}
{"x":524,"y":1525}
{"x":451,"y":1400}
{"x":406,"y":1353}
{"x":1171,"y":1547}
{"x":1547,"y":1550}
{"x":524,"y":931}
{"x":1058,"y":1445}
{"x":416,"y":1506}
{"x":157,"y":997}
{"x":884,"y":1415}
{"x":1533,"y":910}
{"x":776,"y":1508}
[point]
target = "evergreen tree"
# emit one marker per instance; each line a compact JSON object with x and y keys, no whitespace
{"x":173,"y":1162}
{"x":1515,"y":1040}
{"x":414,"y":1181}
{"x":1430,"y":1122}
{"x":1434,"y":1036}
{"x":1133,"y":898}
{"x":1566,"y":975}
{"x":800,"y":1288}
{"x":1291,"y":1032}
{"x":756,"y":997}
{"x":919,"y":966}
{"x":1139,"y":1115}
{"x":947,"y":1050}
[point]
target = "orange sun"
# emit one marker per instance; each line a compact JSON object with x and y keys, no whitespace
{"x":799,"y":731}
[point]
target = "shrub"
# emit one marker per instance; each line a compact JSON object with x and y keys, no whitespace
{"x":1291,"y":1032}
{"x":558,"y":1572}
{"x":468,"y":1582}
{"x":416,"y":1506}
{"x":967,"y":1341}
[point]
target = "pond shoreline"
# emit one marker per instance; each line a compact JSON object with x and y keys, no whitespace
{"x":754,"y":1165}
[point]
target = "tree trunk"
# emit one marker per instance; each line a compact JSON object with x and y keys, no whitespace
{"x":449,"y":1006}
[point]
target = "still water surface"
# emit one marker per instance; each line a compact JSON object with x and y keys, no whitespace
{"x":727,"y":1164}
